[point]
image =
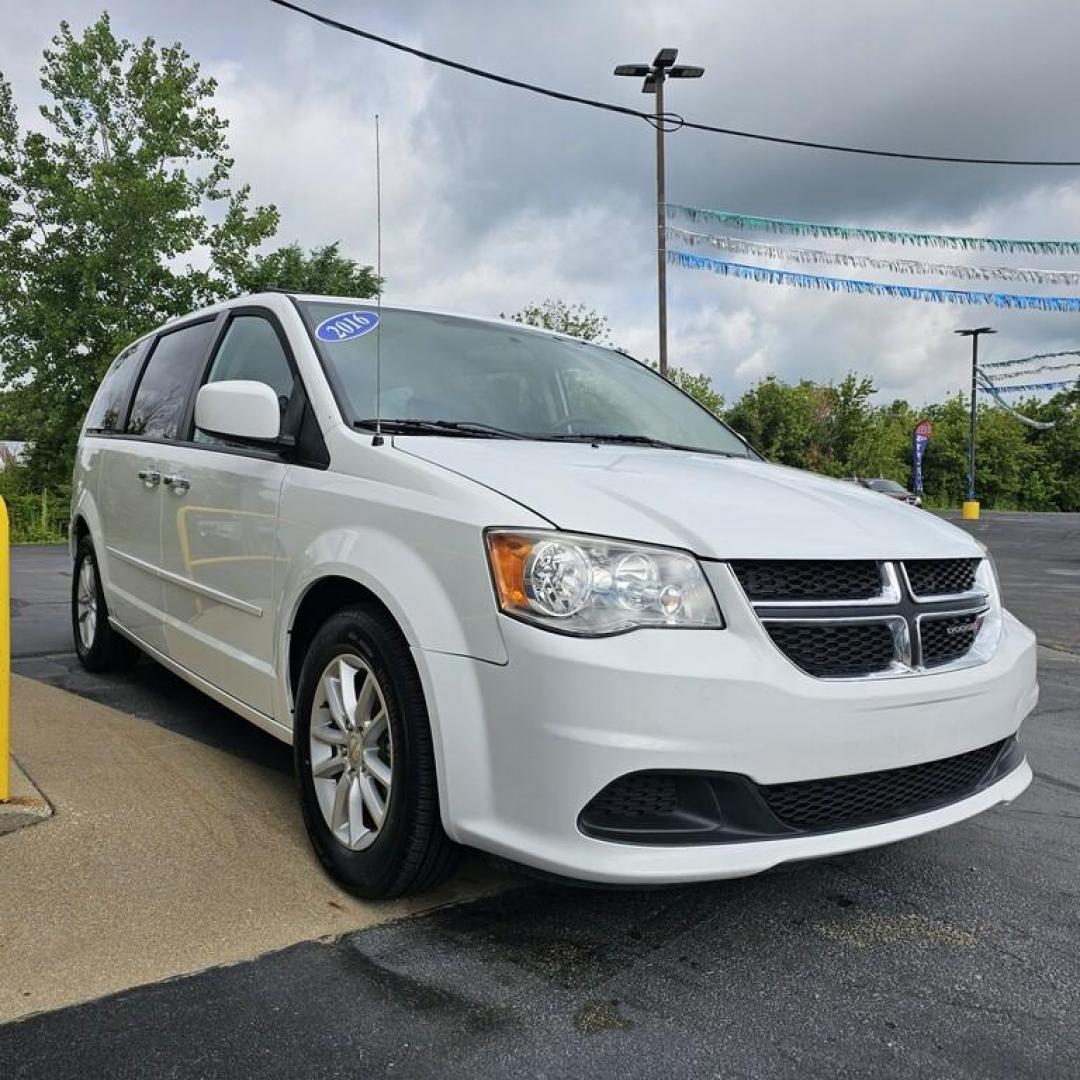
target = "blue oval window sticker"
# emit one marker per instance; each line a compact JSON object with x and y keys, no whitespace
{"x":347,"y":325}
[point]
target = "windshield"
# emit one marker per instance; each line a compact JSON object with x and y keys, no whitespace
{"x":515,"y":382}
{"x":887,"y":485}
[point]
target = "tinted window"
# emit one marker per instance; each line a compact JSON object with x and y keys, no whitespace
{"x":104,"y":414}
{"x":158,"y":409}
{"x":251,"y":350}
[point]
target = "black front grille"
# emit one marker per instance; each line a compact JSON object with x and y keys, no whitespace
{"x":847,"y":801}
{"x":940,"y":577}
{"x":836,"y":650}
{"x":805,"y":579}
{"x":637,"y":795}
{"x":947,"y":639}
{"x":847,"y":618}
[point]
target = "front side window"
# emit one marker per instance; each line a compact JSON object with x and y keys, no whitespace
{"x":251,"y":350}
{"x":158,"y":409}
{"x":105,"y":413}
{"x":444,"y":368}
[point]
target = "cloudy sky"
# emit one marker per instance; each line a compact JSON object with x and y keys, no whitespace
{"x":494,"y":198}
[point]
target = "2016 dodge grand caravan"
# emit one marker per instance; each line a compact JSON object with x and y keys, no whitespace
{"x":503,"y":588}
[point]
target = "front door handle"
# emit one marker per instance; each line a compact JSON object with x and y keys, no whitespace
{"x":178,"y":484}
{"x":150,"y":477}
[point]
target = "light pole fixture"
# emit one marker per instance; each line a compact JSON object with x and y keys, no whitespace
{"x":655,"y":75}
{"x":971,"y":507}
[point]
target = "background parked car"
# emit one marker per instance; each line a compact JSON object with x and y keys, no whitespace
{"x":892,"y":489}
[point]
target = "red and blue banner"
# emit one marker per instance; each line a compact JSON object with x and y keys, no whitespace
{"x":923,"y":430}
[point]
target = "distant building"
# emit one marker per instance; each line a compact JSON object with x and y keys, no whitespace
{"x":11,"y":450}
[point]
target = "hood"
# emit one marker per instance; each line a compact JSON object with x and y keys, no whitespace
{"x":716,"y":507}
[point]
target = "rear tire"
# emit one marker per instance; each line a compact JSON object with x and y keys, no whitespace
{"x":365,"y":764}
{"x":99,"y":647}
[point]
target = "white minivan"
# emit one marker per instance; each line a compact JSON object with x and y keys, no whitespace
{"x":503,"y":588}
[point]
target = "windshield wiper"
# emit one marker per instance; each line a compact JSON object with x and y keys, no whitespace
{"x":465,"y":428}
{"x":476,"y":430}
{"x":635,"y":440}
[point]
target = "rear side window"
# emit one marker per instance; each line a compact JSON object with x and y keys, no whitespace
{"x":105,"y":411}
{"x":158,"y":409}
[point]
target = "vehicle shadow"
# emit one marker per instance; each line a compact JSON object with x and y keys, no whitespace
{"x":152,"y":693}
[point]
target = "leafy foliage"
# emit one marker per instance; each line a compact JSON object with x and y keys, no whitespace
{"x":578,"y":320}
{"x":699,"y":387}
{"x":104,"y":215}
{"x":36,"y":517}
{"x":838,"y":431}
{"x":584,"y":322}
{"x":818,"y":427}
{"x":323,"y":270}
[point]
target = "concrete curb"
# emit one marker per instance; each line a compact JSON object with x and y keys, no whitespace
{"x":27,"y":806}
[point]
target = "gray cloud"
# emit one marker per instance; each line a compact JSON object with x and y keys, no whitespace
{"x":494,"y":197}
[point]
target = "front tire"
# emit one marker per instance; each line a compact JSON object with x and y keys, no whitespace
{"x":365,"y":765}
{"x":98,"y":646}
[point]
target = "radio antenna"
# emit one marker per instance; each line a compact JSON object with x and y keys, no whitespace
{"x":378,"y":439}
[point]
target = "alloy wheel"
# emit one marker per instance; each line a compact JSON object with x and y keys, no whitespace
{"x":86,"y":607}
{"x":352,"y":751}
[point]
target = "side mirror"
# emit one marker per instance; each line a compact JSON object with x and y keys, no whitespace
{"x":239,"y":410}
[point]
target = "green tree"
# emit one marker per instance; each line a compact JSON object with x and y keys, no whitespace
{"x":1060,"y":445}
{"x":849,"y":422}
{"x":884,"y":446}
{"x":574,"y":319}
{"x":945,"y":461}
{"x":837,"y":430}
{"x":782,"y":421}
{"x":104,"y":214}
{"x":323,"y":270}
{"x":581,"y":321}
{"x":699,"y":387}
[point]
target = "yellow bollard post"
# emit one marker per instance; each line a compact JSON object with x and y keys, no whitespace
{"x":971,"y":510}
{"x":5,"y":655}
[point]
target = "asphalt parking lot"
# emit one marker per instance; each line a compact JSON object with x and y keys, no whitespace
{"x":953,"y":955}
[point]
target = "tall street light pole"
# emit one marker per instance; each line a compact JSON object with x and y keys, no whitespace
{"x":655,"y":75}
{"x":971,"y":507}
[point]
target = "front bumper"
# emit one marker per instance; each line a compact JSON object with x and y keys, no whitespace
{"x":524,"y":746}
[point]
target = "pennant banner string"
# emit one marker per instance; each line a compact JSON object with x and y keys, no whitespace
{"x":875,"y":236}
{"x":1032,"y":358}
{"x":897,"y":266}
{"x":1038,"y":425}
{"x":1013,"y":374}
{"x":874,"y":288}
{"x":1025,"y":387}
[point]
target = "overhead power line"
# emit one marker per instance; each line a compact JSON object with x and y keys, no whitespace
{"x":807,"y":144}
{"x":673,"y":119}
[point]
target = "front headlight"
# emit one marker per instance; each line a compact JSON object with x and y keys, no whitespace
{"x":592,"y":586}
{"x":989,"y":631}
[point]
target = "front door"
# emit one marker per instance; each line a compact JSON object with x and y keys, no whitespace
{"x":219,"y":532}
